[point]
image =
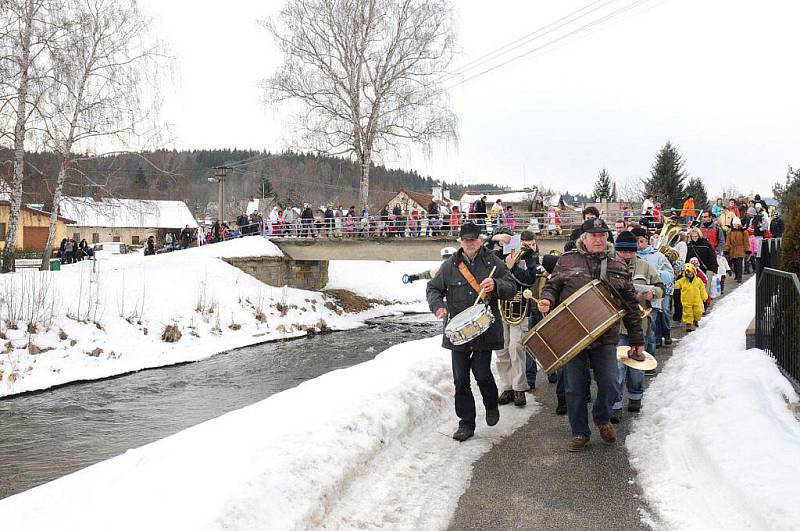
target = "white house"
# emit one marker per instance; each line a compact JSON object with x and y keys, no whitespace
{"x":129,"y":221}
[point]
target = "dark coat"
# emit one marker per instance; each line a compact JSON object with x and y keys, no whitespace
{"x":577,"y":268}
{"x":449,"y":289}
{"x":702,"y":250}
{"x":776,"y":228}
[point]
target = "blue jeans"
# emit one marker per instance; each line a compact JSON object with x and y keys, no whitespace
{"x":650,"y":338}
{"x":603,"y":360}
{"x":633,"y":378}
{"x":480,"y":363}
{"x":663,"y":321}
{"x":531,"y":369}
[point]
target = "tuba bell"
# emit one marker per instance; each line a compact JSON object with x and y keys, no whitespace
{"x":515,"y":310}
{"x":668,"y":232}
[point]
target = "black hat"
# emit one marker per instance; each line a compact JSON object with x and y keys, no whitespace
{"x":549,"y":262}
{"x":594,"y":225}
{"x":469,"y":231}
{"x":625,"y":241}
{"x":639,"y":232}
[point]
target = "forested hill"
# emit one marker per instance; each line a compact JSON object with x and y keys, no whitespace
{"x":164,"y":174}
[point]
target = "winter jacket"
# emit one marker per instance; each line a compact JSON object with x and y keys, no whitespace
{"x":776,"y":228}
{"x":577,"y":268}
{"x":692,"y":291}
{"x":760,"y":223}
{"x":643,"y":273}
{"x":716,"y":210}
{"x":726,"y":219}
{"x":704,"y":252}
{"x":433,"y":208}
{"x":714,"y":235}
{"x":449,"y":289}
{"x":737,"y":243}
{"x":688,"y":210}
{"x":664,"y":268}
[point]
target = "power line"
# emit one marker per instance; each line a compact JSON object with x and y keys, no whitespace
{"x":578,"y":30}
{"x":532,"y":36}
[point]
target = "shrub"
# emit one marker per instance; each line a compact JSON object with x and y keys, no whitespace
{"x":790,"y":245}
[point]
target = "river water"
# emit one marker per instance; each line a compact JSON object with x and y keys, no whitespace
{"x":47,"y":435}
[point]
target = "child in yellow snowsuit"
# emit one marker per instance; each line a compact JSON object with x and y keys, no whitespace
{"x":693,"y":293}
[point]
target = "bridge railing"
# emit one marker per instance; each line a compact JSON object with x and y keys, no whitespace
{"x":777,"y":320}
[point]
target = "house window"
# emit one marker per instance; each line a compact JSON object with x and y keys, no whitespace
{"x":2,"y":232}
{"x":134,"y":240}
{"x":76,"y":236}
{"x":116,"y":239}
{"x":95,"y":237}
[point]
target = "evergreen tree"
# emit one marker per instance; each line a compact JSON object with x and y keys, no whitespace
{"x":266,"y":187}
{"x":790,"y":246}
{"x":697,"y":189}
{"x":788,"y":195}
{"x":140,"y":179}
{"x":666,"y":177}
{"x":602,"y":189}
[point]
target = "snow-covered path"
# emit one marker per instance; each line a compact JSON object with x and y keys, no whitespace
{"x":415,"y":482}
{"x":722,"y":450}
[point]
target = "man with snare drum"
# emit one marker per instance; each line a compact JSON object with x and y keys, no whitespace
{"x":454,"y":289}
{"x":592,"y":260}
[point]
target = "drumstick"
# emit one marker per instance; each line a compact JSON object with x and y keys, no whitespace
{"x":480,"y":295}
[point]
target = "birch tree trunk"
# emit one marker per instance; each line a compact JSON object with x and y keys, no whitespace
{"x":19,"y":139}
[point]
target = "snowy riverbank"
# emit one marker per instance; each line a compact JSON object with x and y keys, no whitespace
{"x":94,"y":320}
{"x":363,"y":447}
{"x":719,"y":447}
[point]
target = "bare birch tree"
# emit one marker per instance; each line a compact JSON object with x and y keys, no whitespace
{"x":96,"y":94}
{"x":368,"y":74}
{"x":25,"y":33}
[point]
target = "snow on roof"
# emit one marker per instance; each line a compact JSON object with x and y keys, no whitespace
{"x":121,"y":213}
{"x":506,"y":197}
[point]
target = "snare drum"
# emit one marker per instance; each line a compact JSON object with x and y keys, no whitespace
{"x":572,"y":326}
{"x":469,"y":324}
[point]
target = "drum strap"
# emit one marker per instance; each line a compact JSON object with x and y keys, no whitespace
{"x":470,"y":278}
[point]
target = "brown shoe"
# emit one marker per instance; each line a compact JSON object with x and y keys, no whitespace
{"x":519,"y":398}
{"x":579,"y":443}
{"x":506,"y":397}
{"x":689,"y":327}
{"x":608,"y":433}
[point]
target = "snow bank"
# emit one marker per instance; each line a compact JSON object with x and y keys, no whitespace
{"x":380,"y":280}
{"x":717,"y":446}
{"x":99,"y":319}
{"x":363,"y":447}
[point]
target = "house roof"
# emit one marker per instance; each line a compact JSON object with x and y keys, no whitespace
{"x":39,"y":211}
{"x":127,"y":213}
{"x":420,"y":198}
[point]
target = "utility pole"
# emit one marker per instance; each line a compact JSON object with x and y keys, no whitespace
{"x":219,"y":177}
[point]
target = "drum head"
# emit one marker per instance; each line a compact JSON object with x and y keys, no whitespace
{"x":648,"y":364}
{"x":467,"y":316}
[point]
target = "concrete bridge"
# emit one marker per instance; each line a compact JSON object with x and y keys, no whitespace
{"x":391,"y":249}
{"x":305,"y":261}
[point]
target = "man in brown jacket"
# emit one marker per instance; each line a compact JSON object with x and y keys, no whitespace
{"x":592,"y":260}
{"x":736,"y":246}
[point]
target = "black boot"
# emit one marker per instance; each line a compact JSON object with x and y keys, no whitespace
{"x":659,"y":343}
{"x":492,"y":416}
{"x":561,"y":408}
{"x":463,"y":433}
{"x":667,"y":338}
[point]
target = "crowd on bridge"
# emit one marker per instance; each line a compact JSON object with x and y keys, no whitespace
{"x":664,"y":268}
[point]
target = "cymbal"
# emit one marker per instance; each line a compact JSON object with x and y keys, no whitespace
{"x":648,"y":364}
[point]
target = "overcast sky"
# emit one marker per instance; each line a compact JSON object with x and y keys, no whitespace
{"x":718,"y":78}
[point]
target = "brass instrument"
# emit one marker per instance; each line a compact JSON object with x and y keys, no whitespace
{"x":668,"y":232}
{"x":514,"y":311}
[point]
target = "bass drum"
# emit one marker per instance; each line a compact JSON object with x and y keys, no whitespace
{"x":469,"y":324}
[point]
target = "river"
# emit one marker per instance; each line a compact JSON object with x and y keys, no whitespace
{"x":46,"y":435}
